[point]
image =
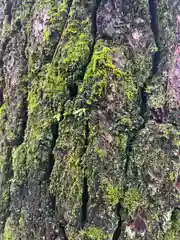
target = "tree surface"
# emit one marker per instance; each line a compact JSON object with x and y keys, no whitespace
{"x":89,"y":119}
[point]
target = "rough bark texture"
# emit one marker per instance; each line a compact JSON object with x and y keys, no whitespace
{"x":89,"y":119}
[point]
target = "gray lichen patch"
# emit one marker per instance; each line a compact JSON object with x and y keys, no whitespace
{"x":40,"y":24}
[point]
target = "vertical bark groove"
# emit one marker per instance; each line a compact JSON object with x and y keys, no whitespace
{"x":85,"y":193}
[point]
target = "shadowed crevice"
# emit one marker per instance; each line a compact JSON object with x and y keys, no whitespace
{"x":85,"y":198}
{"x":143,"y":104}
{"x":73,"y":90}
{"x":95,"y":7}
{"x":155,"y":30}
{"x":117,"y":232}
{"x":55,"y":134}
{"x":55,"y":50}
{"x":63,"y":233}
{"x":24,"y":119}
{"x":85,"y":193}
{"x":8,"y":11}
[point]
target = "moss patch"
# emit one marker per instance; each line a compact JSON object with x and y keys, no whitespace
{"x":8,"y":233}
{"x":132,"y":200}
{"x":95,"y":233}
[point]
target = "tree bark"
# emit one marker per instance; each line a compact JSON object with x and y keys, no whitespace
{"x":89,"y":119}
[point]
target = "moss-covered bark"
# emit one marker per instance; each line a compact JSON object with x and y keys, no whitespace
{"x":89,"y":119}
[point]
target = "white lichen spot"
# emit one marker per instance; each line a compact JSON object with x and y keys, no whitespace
{"x":137,"y":35}
{"x":167,"y":220}
{"x":130,"y":232}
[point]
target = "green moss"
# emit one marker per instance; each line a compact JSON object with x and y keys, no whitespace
{"x":45,"y":99}
{"x":19,"y":163}
{"x":171,"y":235}
{"x":95,"y":233}
{"x":171,"y":176}
{"x":2,"y":124}
{"x":156,"y":99}
{"x":176,"y":139}
{"x":103,"y":73}
{"x":72,"y":184}
{"x":113,"y":194}
{"x":99,"y":152}
{"x":7,"y":27}
{"x":21,"y":221}
{"x":54,"y":83}
{"x":5,"y":195}
{"x":79,"y":112}
{"x":76,"y":50}
{"x":46,"y":34}
{"x":2,"y":110}
{"x":132,"y":200}
{"x":125,"y":121}
{"x":8,"y":233}
{"x":33,"y":101}
{"x":174,"y":232}
{"x":123,"y":142}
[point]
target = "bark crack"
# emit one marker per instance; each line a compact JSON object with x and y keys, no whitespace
{"x":47,"y":178}
{"x":118,"y":230}
{"x":85,"y":193}
{"x":132,"y":135}
{"x":143,"y":95}
{"x":2,"y":51}
{"x":155,"y":30}
{"x":95,"y":7}
{"x":63,"y":28}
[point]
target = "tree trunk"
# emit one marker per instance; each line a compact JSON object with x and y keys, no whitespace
{"x":89,"y":119}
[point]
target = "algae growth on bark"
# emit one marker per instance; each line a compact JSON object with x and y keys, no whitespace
{"x":89,"y":119}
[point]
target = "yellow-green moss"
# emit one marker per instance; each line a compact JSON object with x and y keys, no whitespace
{"x":126,"y":121}
{"x":8,"y":233}
{"x":174,"y":232}
{"x":113,"y":194}
{"x":5,"y":195}
{"x":19,"y":162}
{"x":123,"y":142}
{"x":102,"y":72}
{"x":100,"y":152}
{"x":77,"y":48}
{"x":72,"y":175}
{"x":95,"y":233}
{"x":172,"y":176}
{"x":132,"y":200}
{"x":2,"y":110}
{"x":46,"y":34}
